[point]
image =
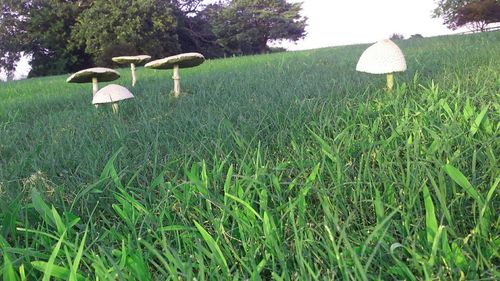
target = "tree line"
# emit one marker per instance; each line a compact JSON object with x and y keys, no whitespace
{"x":473,"y":14}
{"x":64,"y":36}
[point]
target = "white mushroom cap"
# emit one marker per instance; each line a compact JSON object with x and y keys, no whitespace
{"x":101,"y":73}
{"x":381,"y":58}
{"x":132,"y":59}
{"x":111,"y":93}
{"x":183,"y":61}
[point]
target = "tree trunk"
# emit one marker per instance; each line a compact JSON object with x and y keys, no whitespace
{"x":263,"y":46}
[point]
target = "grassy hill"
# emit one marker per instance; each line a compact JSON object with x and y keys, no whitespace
{"x":282,"y":166}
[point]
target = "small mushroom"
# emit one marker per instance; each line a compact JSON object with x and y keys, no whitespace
{"x":134,"y":61}
{"x":112,"y":94}
{"x":383,"y":57}
{"x":175,"y":62}
{"x":94,"y":75}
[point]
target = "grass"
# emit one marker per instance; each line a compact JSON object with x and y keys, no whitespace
{"x":289,"y":166}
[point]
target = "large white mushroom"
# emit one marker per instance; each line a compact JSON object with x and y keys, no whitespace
{"x":94,"y":75}
{"x":383,"y":57}
{"x":134,"y":61}
{"x":175,"y":62}
{"x":112,"y":94}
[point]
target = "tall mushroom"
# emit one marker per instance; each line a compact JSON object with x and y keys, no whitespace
{"x":134,"y":61}
{"x":94,"y":75}
{"x":175,"y":62}
{"x":112,"y":94}
{"x":383,"y":57}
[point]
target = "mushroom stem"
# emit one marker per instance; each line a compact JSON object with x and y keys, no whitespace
{"x":114,"y":106}
{"x":134,"y":78}
{"x":390,"y":81}
{"x":177,"y":81}
{"x":95,"y":88}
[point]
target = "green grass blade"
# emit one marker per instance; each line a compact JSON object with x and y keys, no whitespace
{"x":245,"y":204}
{"x":41,"y":207}
{"x":431,"y":224}
{"x":76,"y":262}
{"x":50,"y":267}
{"x":479,"y":119}
{"x":462,"y":181}
{"x":216,"y":251}
{"x":9,"y":273}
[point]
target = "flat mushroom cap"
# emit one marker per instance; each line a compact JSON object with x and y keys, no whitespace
{"x":132,"y":59}
{"x":111,"y":93}
{"x":183,"y":60}
{"x":381,"y":58}
{"x":102,"y":74}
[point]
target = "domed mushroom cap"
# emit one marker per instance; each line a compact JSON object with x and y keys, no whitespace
{"x":381,"y":58}
{"x":132,"y":59}
{"x":183,"y":60}
{"x":111,"y":93}
{"x":102,"y":74}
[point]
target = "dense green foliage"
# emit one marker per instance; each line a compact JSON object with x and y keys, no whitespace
{"x":476,"y":14}
{"x":113,"y":28}
{"x":276,"y":167}
{"x":247,"y":26}
{"x":69,"y":35}
{"x":479,"y":14}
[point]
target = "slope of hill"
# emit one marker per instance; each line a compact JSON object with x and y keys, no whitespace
{"x":282,"y":166}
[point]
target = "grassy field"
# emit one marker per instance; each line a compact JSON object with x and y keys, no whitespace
{"x":290,"y":166}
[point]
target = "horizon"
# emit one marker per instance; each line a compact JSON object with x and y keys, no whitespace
{"x":341,"y":23}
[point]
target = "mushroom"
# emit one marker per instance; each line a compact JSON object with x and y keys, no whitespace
{"x":133,"y":60}
{"x":383,"y":57}
{"x":175,"y":62}
{"x":94,"y":75}
{"x":112,"y":94}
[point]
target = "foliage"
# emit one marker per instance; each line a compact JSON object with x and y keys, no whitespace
{"x":40,"y":29}
{"x":196,"y":33}
{"x":477,"y":13}
{"x":416,"y":36}
{"x":49,"y":33}
{"x":397,"y":36}
{"x":66,"y":36}
{"x":247,"y":26}
{"x":288,"y":166}
{"x":12,"y":24}
{"x":139,"y":26}
{"x":448,"y":10}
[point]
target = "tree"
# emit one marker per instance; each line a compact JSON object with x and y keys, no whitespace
{"x":122,"y":27}
{"x":63,"y":36}
{"x":40,"y":29}
{"x":247,"y":26}
{"x":194,"y":29}
{"x":397,"y":36}
{"x":457,"y":13}
{"x":477,"y":15}
{"x":12,"y":37}
{"x":49,"y":28}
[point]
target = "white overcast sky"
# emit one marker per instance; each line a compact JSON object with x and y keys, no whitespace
{"x":343,"y":22}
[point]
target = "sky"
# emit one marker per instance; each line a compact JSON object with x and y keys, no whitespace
{"x":344,"y":22}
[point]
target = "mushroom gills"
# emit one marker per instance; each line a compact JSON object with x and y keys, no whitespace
{"x":176,"y":62}
{"x":112,"y":94}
